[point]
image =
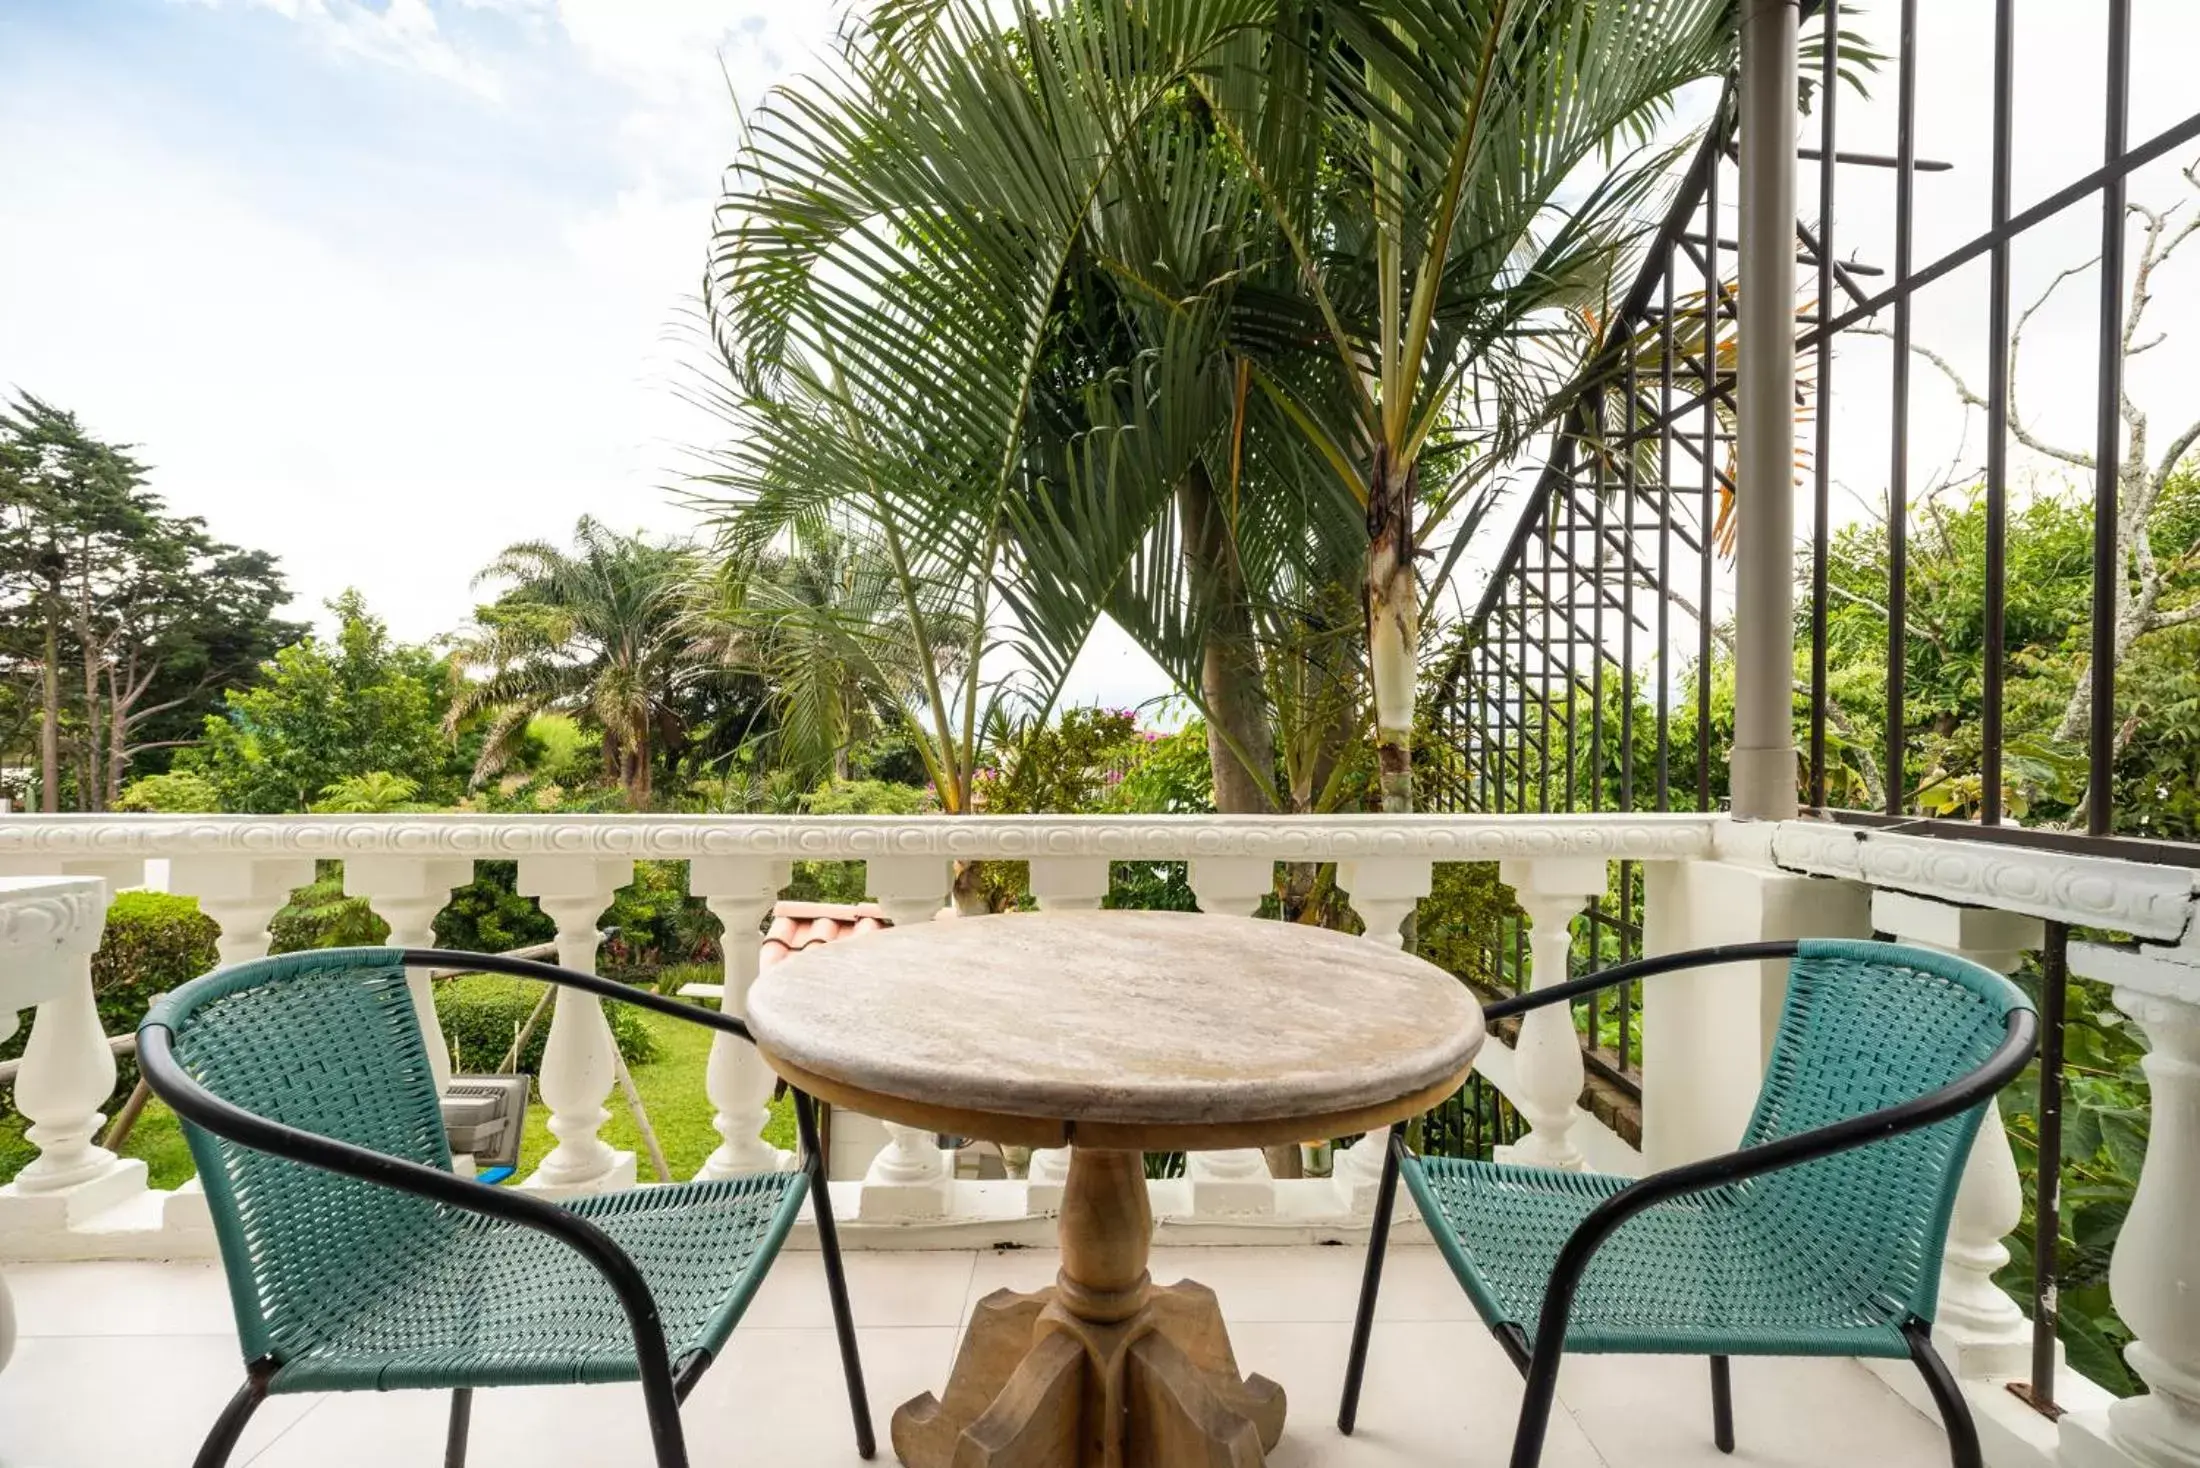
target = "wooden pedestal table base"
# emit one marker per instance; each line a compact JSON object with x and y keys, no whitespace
{"x":1109,"y":1032}
{"x":1104,"y":1370}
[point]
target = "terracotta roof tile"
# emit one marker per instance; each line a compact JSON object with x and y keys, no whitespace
{"x":797,"y":925}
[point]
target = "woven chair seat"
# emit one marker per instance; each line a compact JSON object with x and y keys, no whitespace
{"x":1717,"y":1273}
{"x":499,"y":1304}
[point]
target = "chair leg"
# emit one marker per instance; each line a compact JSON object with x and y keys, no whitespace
{"x":662,"y":1402}
{"x":1363,"y":1324}
{"x":1536,"y":1397}
{"x":836,"y":1280}
{"x":1955,"y":1413}
{"x":1722,"y":1404}
{"x":221,"y":1440}
{"x":462,"y":1417}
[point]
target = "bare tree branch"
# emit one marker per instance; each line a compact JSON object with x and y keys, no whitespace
{"x":2178,"y":448}
{"x":1971,"y":399}
{"x":2016,"y":338}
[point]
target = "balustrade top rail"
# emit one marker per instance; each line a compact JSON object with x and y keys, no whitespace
{"x":1629,"y":837}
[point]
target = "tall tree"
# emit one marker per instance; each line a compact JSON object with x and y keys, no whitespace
{"x":1165,"y":310}
{"x":151,"y":614}
{"x":329,"y":710}
{"x":594,"y":632}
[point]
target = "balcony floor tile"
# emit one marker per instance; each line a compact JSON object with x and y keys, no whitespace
{"x":125,"y":1366}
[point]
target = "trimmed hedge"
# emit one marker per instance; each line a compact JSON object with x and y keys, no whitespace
{"x":480,"y":1013}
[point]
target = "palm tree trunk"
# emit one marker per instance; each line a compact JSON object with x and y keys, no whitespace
{"x":638,"y":789}
{"x":1393,"y":625}
{"x":1238,"y":726}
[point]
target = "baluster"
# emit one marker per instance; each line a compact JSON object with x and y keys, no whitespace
{"x":910,"y":1177}
{"x":1979,"y":1328}
{"x":48,"y":933}
{"x":1060,"y":884}
{"x":241,"y":894}
{"x":740,"y":890}
{"x":579,"y":1059}
{"x":1384,"y":892}
{"x":1237,"y":1180}
{"x":407,"y":892}
{"x":1547,"y":1070}
{"x":2154,"y":1274}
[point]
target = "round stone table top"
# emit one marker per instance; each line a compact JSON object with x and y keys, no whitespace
{"x":1118,"y":1029}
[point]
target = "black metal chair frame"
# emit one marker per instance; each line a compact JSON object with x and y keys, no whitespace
{"x":665,"y":1383}
{"x":1539,"y":1364}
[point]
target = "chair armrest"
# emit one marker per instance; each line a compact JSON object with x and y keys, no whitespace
{"x":1641,"y":968}
{"x":193,"y":1102}
{"x":596,"y":984}
{"x":2009,"y":1057}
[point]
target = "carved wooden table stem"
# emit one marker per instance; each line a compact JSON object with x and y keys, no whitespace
{"x":1104,"y":1368}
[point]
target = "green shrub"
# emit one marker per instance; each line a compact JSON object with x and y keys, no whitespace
{"x":652,"y":922}
{"x":179,"y":792}
{"x":480,"y":1013}
{"x":319,"y":915}
{"x":488,"y":915}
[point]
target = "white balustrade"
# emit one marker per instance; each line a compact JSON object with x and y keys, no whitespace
{"x":407,"y":892}
{"x":1236,"y":1181}
{"x":1060,"y":884}
{"x":1547,"y":1072}
{"x":1979,"y":1328}
{"x":48,"y":932}
{"x":1384,"y":892}
{"x":49,"y":928}
{"x":2154,"y":1275}
{"x":241,"y":894}
{"x":911,"y":1178}
{"x":579,"y":1058}
{"x":740,"y":890}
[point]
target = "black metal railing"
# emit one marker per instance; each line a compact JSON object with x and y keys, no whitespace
{"x":1594,"y":673}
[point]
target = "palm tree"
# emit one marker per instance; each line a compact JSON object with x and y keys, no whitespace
{"x":595,"y":633}
{"x":377,"y":792}
{"x":821,"y":623}
{"x":1190,"y":313}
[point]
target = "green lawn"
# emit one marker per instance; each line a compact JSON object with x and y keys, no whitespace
{"x":671,"y":1087}
{"x":672,"y":1094}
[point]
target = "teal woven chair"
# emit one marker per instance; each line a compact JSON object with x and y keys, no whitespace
{"x":358,"y":1261}
{"x":1821,"y":1236}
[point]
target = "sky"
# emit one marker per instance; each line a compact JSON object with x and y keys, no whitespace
{"x":383,"y":287}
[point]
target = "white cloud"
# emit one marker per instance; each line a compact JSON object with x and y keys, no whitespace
{"x":388,"y":413}
{"x":401,"y":33}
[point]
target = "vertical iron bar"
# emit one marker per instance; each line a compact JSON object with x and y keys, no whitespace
{"x":1543,"y":722}
{"x":1500,"y":692}
{"x":1596,"y":594}
{"x":1520,"y":674}
{"x":1479,"y":705}
{"x":1623,"y":996}
{"x":2108,"y":565}
{"x":1627,"y":489}
{"x":1573,"y":601}
{"x":1665,"y":534}
{"x":1708,"y":515}
{"x":2047,"y":1205}
{"x":1898,"y":472}
{"x":1997,"y":420}
{"x":1821,"y":485}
